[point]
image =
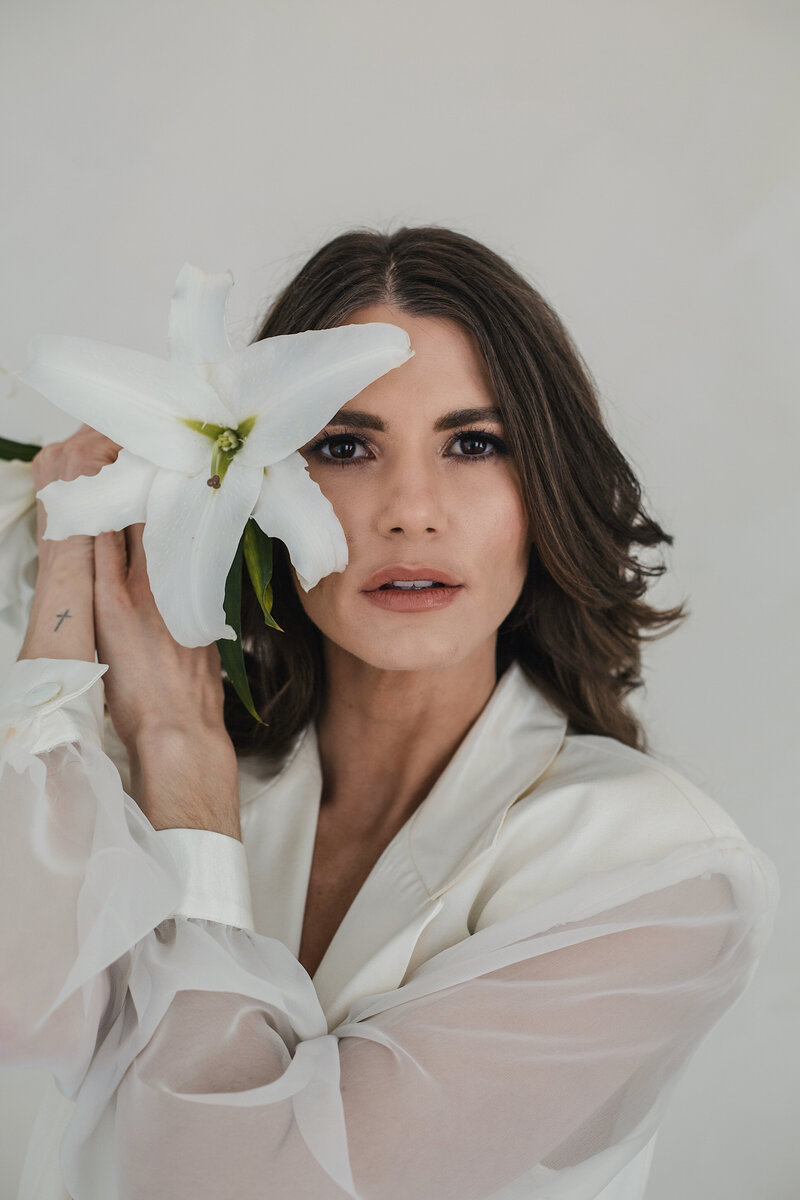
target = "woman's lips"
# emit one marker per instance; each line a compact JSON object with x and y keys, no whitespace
{"x":413,"y":600}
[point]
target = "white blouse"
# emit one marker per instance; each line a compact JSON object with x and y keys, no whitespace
{"x":503,"y":1012}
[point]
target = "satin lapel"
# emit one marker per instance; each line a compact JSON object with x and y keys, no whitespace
{"x":503,"y":756}
{"x":279,"y":826}
{"x":507,"y":749}
{"x":373,"y":945}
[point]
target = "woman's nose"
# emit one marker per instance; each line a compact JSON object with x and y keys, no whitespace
{"x":411,"y":498}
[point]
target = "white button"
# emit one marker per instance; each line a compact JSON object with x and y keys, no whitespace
{"x":42,"y":693}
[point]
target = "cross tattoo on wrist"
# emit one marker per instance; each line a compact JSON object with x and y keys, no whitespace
{"x":65,"y":613}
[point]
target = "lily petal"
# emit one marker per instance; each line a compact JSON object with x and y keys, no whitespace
{"x":296,"y":382}
{"x":190,"y":537}
{"x":292,"y":506}
{"x":135,"y":399}
{"x":112,"y":499}
{"x":197,"y":329}
{"x":25,"y":415}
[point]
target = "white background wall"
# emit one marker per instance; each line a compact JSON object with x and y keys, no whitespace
{"x":638,"y":162}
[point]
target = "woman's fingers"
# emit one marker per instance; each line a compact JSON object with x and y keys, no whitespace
{"x":138,"y":577}
{"x":84,"y":452}
{"x":120,"y":560}
{"x":136,"y":557}
{"x":120,"y":567}
{"x":110,"y":560}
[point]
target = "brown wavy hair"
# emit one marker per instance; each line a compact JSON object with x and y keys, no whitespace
{"x":578,"y":625}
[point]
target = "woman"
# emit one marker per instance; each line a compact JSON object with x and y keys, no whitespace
{"x":443,"y":928}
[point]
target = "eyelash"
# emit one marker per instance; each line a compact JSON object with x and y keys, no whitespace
{"x":481,"y":434}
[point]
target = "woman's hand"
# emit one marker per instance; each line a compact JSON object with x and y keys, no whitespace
{"x":61,"y":622}
{"x":165,"y":700}
{"x":154,"y":685}
{"x":86,"y":452}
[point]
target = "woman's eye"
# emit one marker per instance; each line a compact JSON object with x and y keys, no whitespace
{"x":336,"y":442}
{"x":342,"y":448}
{"x":482,"y":439}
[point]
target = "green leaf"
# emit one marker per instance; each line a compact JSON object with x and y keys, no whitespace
{"x":258,"y":556}
{"x":230,"y":651}
{"x":268,"y":617}
{"x":22,"y":451}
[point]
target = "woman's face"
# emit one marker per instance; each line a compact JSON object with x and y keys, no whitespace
{"x":412,"y":495}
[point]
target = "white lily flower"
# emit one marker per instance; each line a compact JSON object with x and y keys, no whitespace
{"x":209,"y":438}
{"x":26,"y":416}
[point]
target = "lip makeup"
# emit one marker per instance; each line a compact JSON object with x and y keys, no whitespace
{"x":413,"y":600}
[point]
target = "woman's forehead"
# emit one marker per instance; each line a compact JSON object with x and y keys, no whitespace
{"x":447,"y":367}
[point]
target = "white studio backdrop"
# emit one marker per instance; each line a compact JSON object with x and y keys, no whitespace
{"x":638,"y":162}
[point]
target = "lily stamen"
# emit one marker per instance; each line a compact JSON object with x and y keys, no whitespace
{"x":228,"y":440}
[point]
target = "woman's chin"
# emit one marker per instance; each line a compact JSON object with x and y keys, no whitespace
{"x":409,"y":652}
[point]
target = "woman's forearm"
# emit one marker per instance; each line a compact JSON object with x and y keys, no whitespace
{"x":61,"y":623}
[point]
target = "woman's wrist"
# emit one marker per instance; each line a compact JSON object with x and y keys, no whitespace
{"x":61,"y":622}
{"x":186,"y":779}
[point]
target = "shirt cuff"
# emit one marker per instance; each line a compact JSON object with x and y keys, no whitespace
{"x":214,"y":875}
{"x":45,"y":702}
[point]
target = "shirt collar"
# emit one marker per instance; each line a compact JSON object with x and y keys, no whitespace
{"x":506,"y":750}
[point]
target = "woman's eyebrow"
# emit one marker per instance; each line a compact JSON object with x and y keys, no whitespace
{"x":459,"y":416}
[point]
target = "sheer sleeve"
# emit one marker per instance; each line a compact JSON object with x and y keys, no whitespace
{"x":83,"y":876}
{"x":542,"y":1046}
